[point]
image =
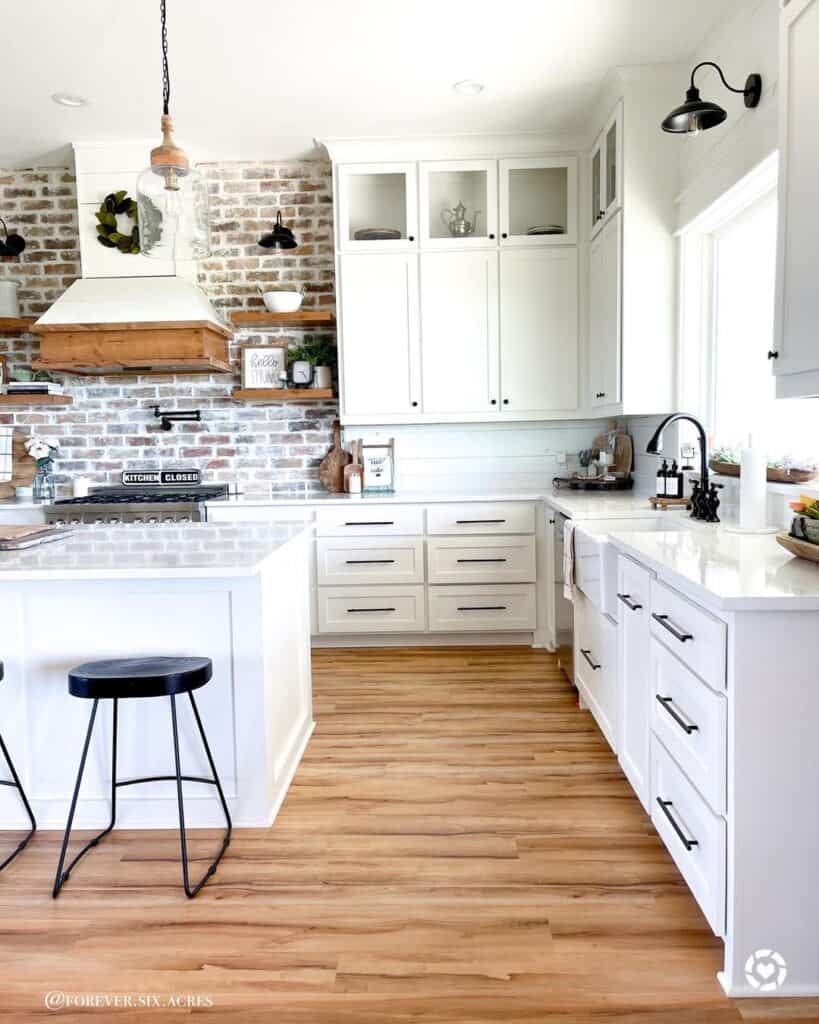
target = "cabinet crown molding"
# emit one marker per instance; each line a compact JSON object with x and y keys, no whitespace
{"x":449,"y":147}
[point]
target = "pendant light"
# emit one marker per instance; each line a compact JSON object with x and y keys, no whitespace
{"x":172,"y":197}
{"x":697,"y":115}
{"x":280,"y":237}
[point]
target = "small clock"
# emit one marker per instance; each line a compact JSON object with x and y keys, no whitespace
{"x":301,"y":373}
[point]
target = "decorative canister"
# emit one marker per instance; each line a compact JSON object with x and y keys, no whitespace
{"x":9,"y":306}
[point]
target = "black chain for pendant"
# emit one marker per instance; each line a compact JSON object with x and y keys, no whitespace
{"x":166,"y":78}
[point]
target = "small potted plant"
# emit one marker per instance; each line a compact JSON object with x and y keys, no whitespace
{"x":321,"y":354}
{"x":42,"y":450}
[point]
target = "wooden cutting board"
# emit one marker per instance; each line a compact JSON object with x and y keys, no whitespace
{"x":331,"y":470}
{"x":24,"y":532}
{"x":23,"y":469}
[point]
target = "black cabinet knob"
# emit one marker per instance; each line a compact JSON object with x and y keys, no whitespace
{"x":773,"y":355}
{"x":494,"y":401}
{"x":504,"y":235}
{"x":506,"y":401}
{"x":491,"y":236}
{"x":415,"y":405}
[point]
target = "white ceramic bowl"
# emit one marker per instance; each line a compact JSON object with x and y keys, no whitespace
{"x":282,"y":302}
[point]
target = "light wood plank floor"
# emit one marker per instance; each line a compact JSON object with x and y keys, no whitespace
{"x":459,"y":845}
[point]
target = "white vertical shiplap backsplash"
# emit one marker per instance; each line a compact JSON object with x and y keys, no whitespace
{"x":481,"y":455}
{"x":645,"y":466}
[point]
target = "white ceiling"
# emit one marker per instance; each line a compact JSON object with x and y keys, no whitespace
{"x":263,"y":78}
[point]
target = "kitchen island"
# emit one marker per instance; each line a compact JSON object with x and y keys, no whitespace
{"x":236,"y":594}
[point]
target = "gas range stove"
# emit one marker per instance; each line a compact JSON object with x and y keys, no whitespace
{"x":139,"y":505}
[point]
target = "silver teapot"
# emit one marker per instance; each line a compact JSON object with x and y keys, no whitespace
{"x":455,"y":220}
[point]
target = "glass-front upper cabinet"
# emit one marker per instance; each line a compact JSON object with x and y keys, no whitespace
{"x":606,"y":171}
{"x":377,"y":207}
{"x":458,"y":203}
{"x":538,"y":201}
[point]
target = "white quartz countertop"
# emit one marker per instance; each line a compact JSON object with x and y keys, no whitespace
{"x":162,"y":551}
{"x":610,"y":505}
{"x":726,"y":570}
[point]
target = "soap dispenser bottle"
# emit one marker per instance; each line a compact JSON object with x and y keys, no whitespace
{"x":662,"y":479}
{"x":674,"y":482}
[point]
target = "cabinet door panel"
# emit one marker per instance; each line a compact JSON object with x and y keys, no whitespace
{"x":459,"y":331}
{"x":538,"y":316}
{"x":604,"y":314}
{"x":377,"y":196}
{"x":634,"y":671}
{"x":379,"y":347}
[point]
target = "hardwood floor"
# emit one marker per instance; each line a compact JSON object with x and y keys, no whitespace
{"x":459,"y":845}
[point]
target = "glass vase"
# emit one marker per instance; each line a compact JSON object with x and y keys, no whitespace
{"x":43,"y":487}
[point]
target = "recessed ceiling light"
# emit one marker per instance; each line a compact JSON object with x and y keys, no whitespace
{"x":67,"y":99}
{"x":468,"y":87}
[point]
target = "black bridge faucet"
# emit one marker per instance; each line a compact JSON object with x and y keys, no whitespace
{"x":704,"y":500}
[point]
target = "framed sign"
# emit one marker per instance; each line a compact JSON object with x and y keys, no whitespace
{"x":262,"y":366}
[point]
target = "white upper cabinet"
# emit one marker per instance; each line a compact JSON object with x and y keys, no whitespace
{"x":459,"y":330}
{"x":379,"y":353}
{"x":538,"y":330}
{"x":458,"y":203}
{"x":795,"y":353}
{"x":377,"y":207}
{"x":605,"y":289}
{"x":538,"y":201}
{"x":606,"y":170}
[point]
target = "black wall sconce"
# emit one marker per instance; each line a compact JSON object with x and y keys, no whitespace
{"x":280,"y":237}
{"x":168,"y":418}
{"x":11,"y":244}
{"x":697,"y":115}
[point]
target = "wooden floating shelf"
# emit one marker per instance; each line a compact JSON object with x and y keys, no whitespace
{"x":36,"y":400}
{"x":136,"y":366}
{"x":281,"y":394}
{"x":301,"y":318}
{"x":15,"y":324}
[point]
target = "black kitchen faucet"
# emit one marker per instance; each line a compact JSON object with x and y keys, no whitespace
{"x":704,"y":500}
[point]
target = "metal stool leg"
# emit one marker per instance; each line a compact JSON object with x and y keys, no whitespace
{"x":62,"y":876}
{"x":191,"y":892}
{"x":16,"y":784}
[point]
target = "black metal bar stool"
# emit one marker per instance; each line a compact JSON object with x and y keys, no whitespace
{"x":15,"y":783}
{"x":121,"y":679}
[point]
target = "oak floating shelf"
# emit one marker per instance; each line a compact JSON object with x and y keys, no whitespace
{"x":301,"y":318}
{"x":15,"y":324}
{"x":36,"y":400}
{"x":281,"y":394}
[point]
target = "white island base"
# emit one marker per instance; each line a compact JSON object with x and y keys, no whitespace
{"x":239,"y":596}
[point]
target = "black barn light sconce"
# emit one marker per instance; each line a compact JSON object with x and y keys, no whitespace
{"x":11,"y":244}
{"x":697,"y":115}
{"x":280,"y":237}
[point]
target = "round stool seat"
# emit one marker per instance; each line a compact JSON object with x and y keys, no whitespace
{"x":138,"y":677}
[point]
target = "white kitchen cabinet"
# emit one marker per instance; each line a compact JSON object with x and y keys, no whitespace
{"x":595,"y":665}
{"x":605,"y":334}
{"x":382,"y":196}
{"x":446,"y":184}
{"x":634,"y":675}
{"x":795,"y":353}
{"x":459,"y":331}
{"x":538,"y":195}
{"x":538,"y":331}
{"x":380,"y":367}
{"x":606,"y":171}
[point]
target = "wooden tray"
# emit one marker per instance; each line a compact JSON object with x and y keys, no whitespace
{"x":582,"y":483}
{"x":665,"y":503}
{"x":774,"y":476}
{"x":800,"y":548}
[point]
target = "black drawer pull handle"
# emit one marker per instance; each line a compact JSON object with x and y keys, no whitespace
{"x":482,"y":608}
{"x":667,"y":703}
{"x":586,"y":654}
{"x":475,"y":522}
{"x":481,"y":560}
{"x":666,"y":623}
{"x":370,"y":561}
{"x":689,"y":844}
{"x":351,"y":611}
{"x":374,"y":523}
{"x":626,"y":599}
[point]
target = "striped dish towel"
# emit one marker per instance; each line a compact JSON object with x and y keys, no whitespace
{"x":6,"y":459}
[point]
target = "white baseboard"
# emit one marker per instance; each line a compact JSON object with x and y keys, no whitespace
{"x":425,"y":640}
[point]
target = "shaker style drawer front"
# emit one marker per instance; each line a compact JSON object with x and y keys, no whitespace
{"x":371,"y":610}
{"x":691,"y":721}
{"x":482,"y":560}
{"x":595,"y":665}
{"x":359,"y":560}
{"x":694,"y":835}
{"x":695,"y":636}
{"x":481,"y":518}
{"x":359,"y":520}
{"x":482,"y":608}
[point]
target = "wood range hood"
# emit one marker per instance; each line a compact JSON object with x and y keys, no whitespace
{"x":132,"y":325}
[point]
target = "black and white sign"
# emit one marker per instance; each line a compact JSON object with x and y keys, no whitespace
{"x":160,"y":477}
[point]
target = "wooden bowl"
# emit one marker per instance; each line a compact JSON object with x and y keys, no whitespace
{"x":774,"y":476}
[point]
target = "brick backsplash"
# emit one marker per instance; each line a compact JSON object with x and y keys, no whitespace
{"x":111,"y":426}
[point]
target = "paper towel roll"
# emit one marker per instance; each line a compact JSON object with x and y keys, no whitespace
{"x":753,"y":488}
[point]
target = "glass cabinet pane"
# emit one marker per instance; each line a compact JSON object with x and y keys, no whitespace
{"x":376,"y":206}
{"x":611,"y":165}
{"x":457,"y":201}
{"x":595,"y":186}
{"x":538,"y":201}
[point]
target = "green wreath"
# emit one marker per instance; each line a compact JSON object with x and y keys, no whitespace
{"x":108,"y":234}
